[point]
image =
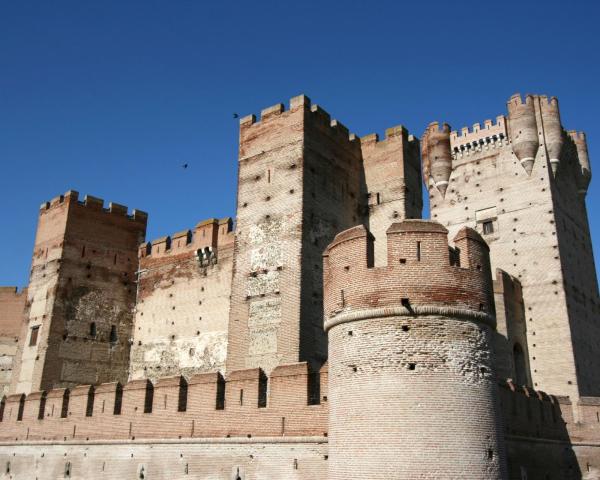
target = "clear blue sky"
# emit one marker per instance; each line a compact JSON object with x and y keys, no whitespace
{"x":111,"y":97}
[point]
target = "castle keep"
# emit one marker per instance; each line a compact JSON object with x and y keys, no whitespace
{"x":328,"y":332}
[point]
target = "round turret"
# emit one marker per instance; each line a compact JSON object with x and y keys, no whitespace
{"x":412,"y":387}
{"x":523,"y":130}
{"x":437,"y":156}
{"x":585,"y":173}
{"x":553,"y":131}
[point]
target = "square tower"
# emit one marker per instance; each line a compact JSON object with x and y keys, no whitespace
{"x":79,"y":310}
{"x":521,"y":182}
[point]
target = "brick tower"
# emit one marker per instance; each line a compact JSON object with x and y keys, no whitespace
{"x":302,"y":179}
{"x":79,"y":311}
{"x":521,"y":182}
{"x":415,"y":334}
{"x":299,"y":184}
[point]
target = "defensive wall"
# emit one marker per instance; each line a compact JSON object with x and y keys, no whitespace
{"x":286,"y":439}
{"x":183,"y":298}
{"x":12,"y":305}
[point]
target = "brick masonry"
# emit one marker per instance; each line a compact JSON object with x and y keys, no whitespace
{"x":12,"y":305}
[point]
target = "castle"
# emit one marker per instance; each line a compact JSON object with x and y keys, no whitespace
{"x":333,"y":333}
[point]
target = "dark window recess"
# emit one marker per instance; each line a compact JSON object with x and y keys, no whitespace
{"x":2,"y":406}
{"x":64,"y":411}
{"x":220,"y":405}
{"x":118,"y":399}
{"x":314,"y":388}
{"x":149,"y":399}
{"x":488,"y":227}
{"x":33,"y":338}
{"x":113,"y":334}
{"x":93,"y":329}
{"x":89,"y":407}
{"x":42,"y":410}
{"x":21,"y":408}
{"x":419,"y":251}
{"x":183,"y":394}
{"x":263,"y":386}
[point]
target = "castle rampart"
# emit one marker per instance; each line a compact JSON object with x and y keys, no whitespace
{"x":183,"y":298}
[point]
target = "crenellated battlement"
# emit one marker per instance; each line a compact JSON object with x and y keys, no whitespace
{"x":206,"y":238}
{"x":93,"y":203}
{"x":423,"y":274}
{"x":314,"y":113}
{"x":478,"y":138}
{"x":204,"y":405}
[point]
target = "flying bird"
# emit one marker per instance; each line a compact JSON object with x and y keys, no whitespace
{"x":185,"y":165}
{"x":235,"y":115}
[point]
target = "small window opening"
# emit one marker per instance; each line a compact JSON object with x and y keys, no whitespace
{"x":113,"y":334}
{"x":21,"y":408}
{"x":89,"y":408}
{"x":183,"y":394}
{"x":220,"y":404}
{"x":269,"y":175}
{"x":405,"y":328}
{"x":2,"y":406}
{"x":42,"y":410}
{"x":403,"y":261}
{"x":83,"y":252}
{"x":314,"y":388}
{"x":242,"y":396}
{"x":149,"y":398}
{"x":263,"y":387}
{"x":118,"y":399}
{"x":418,"y":251}
{"x":33,"y":338}
{"x":488,"y":227}
{"x":93,"y":329}
{"x":64,"y":410}
{"x":412,"y":366}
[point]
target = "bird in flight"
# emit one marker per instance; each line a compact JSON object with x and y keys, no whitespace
{"x":235,"y":115}
{"x":184,"y":166}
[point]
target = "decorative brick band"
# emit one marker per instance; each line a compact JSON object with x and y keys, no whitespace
{"x":417,"y":310}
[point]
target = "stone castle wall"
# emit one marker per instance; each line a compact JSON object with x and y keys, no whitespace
{"x":12,"y":306}
{"x":183,"y":298}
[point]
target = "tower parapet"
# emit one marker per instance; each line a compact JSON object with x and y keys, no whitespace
{"x":415,"y":334}
{"x":585,"y":171}
{"x":553,"y":131}
{"x":437,"y":155}
{"x":523,"y":129}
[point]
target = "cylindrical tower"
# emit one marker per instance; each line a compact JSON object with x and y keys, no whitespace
{"x":553,"y":132}
{"x":412,"y":387}
{"x":585,"y":173}
{"x":523,"y":130}
{"x":437,"y":156}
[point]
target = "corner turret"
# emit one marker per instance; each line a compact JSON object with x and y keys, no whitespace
{"x":553,"y":131}
{"x":585,"y":173}
{"x":416,"y":335}
{"x":523,"y":129}
{"x":437,"y":156}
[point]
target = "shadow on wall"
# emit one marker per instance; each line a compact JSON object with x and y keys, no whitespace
{"x":539,"y":431}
